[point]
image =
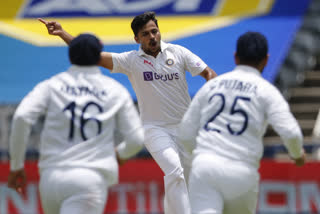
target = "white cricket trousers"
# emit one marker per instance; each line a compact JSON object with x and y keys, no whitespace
{"x":72,"y":191}
{"x":218,"y":185}
{"x":170,"y":160}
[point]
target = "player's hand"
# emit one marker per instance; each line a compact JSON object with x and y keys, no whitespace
{"x":17,"y":180}
{"x":53,"y":27}
{"x":300,"y":161}
{"x":120,"y":160}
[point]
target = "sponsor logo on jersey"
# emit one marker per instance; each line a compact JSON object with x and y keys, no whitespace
{"x":150,"y":76}
{"x":147,"y":76}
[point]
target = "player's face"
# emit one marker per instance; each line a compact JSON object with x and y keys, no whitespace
{"x":149,"y":37}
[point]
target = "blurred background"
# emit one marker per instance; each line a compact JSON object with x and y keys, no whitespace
{"x":209,"y":28}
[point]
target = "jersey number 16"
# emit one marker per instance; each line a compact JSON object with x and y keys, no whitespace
{"x":83,"y":121}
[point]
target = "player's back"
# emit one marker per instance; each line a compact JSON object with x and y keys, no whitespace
{"x":234,"y":115}
{"x":81,"y":117}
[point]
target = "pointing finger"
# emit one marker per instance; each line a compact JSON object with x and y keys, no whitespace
{"x":43,"y":21}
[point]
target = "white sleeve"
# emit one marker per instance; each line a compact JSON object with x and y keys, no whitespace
{"x":190,"y":124}
{"x":284,"y":123}
{"x":121,"y":62}
{"x":27,"y":113}
{"x":130,"y":128}
{"x":316,"y":129}
{"x":193,"y":63}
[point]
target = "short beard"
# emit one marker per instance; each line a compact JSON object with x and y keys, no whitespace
{"x":152,"y":53}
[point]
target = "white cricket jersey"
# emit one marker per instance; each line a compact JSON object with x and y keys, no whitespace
{"x":160,"y":83}
{"x":83,"y":110}
{"x":229,"y":115}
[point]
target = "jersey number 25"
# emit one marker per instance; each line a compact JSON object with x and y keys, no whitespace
{"x":234,"y":110}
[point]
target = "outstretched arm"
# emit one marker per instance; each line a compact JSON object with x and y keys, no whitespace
{"x":208,"y":73}
{"x":55,"y":28}
{"x":106,"y":60}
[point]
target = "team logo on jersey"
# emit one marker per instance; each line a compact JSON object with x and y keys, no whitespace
{"x":169,"y":62}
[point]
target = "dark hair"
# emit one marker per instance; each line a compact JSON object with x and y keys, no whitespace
{"x":252,"y":48}
{"x":85,"y":49}
{"x":139,"y":21}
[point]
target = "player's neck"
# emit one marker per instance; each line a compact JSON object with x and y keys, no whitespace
{"x":153,"y":53}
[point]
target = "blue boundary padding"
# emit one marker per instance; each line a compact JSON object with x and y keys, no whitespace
{"x":24,"y":65}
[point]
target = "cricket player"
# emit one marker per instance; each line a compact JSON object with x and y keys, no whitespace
{"x":224,"y":127}
{"x":157,"y":74}
{"x":83,"y":110}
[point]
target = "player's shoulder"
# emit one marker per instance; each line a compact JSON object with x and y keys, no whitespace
{"x":179,"y":51}
{"x":59,"y":75}
{"x":213,"y":83}
{"x":118,"y":92}
{"x":53,"y":79}
{"x":132,"y":53}
{"x":112,"y":84}
{"x":226,"y":75}
{"x":124,"y":58}
{"x":266,"y":85}
{"x":175,"y":47}
{"x":47,"y":84}
{"x":57,"y":78}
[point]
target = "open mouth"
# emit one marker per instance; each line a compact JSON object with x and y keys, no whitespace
{"x":153,"y":44}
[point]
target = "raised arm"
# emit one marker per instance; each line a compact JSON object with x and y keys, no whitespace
{"x":208,"y":73}
{"x":55,"y":28}
{"x":106,"y":60}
